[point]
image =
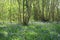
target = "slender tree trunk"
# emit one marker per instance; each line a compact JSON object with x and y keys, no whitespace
{"x":19,"y":14}
{"x":42,"y":16}
{"x":23,"y":11}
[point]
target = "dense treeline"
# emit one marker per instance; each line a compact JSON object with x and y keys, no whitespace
{"x":29,"y":20}
{"x":21,"y":11}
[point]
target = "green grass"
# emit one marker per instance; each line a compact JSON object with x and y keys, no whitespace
{"x":35,"y":31}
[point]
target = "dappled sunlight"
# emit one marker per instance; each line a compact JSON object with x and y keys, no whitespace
{"x":29,"y":20}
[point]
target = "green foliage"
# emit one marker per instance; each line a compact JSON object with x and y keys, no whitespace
{"x":30,"y":32}
{"x":14,"y":13}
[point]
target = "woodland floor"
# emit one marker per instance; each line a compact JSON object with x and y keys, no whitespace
{"x":34,"y":31}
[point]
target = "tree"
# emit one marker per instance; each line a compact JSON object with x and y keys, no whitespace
{"x":19,"y":15}
{"x":37,"y":11}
